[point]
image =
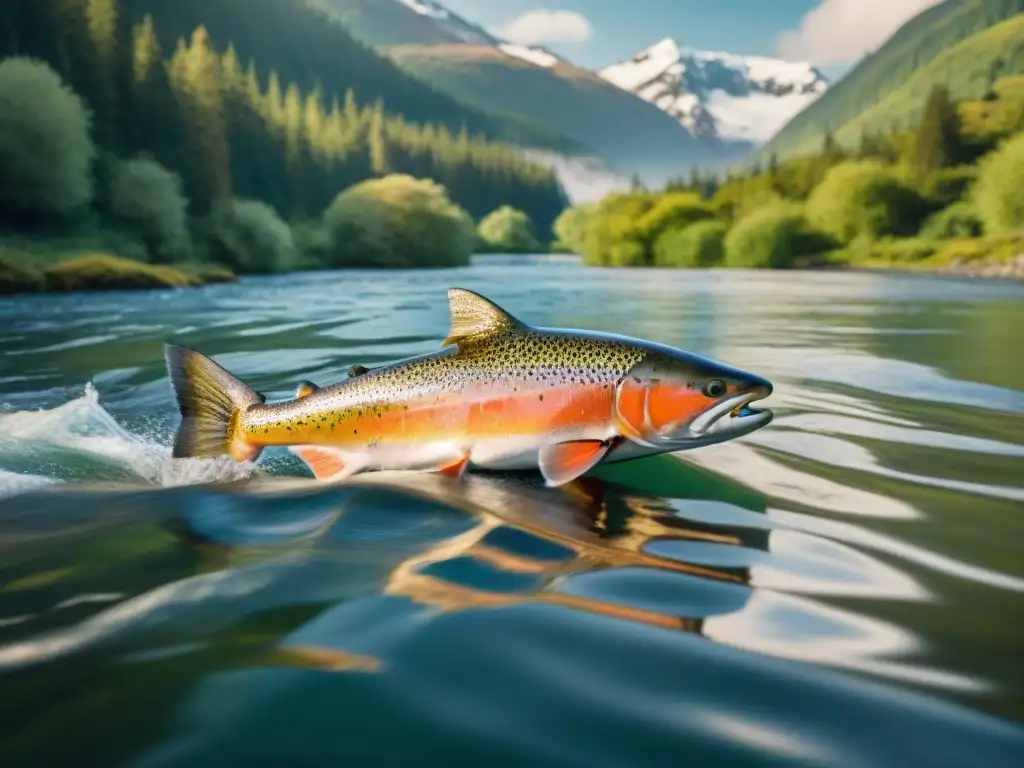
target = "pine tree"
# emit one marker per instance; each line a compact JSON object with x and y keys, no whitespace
{"x":937,"y":141}
{"x":829,"y":148}
{"x":197,"y":81}
{"x":145,"y":51}
{"x":380,"y":162}
{"x":101,"y":18}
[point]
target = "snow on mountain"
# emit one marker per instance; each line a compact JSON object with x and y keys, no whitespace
{"x":534,"y":55}
{"x":717,"y":95}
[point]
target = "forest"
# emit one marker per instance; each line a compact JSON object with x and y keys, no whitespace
{"x":178,"y":132}
{"x":944,"y":192}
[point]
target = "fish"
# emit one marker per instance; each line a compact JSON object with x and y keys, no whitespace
{"x":499,"y":395}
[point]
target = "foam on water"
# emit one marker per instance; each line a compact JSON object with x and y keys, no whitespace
{"x":84,"y":429}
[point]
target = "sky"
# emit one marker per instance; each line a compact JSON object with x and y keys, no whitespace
{"x":831,"y":34}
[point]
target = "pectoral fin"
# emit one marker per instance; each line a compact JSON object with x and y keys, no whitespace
{"x":562,"y":462}
{"x":456,"y":468}
{"x":325,"y":463}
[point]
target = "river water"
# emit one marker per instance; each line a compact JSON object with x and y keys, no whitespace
{"x":843,"y":587}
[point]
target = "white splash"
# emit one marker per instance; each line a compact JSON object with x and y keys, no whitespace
{"x":83,"y":426}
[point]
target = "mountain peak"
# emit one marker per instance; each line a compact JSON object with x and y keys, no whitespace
{"x":717,"y":95}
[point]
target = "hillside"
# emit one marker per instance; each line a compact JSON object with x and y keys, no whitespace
{"x":627,"y":133}
{"x":294,"y":40}
{"x":891,"y":84}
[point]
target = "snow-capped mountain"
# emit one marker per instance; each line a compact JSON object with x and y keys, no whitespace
{"x":720,"y":96}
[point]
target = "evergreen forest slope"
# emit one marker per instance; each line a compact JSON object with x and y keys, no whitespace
{"x":965,"y":44}
{"x":627,"y":133}
{"x":271,"y":101}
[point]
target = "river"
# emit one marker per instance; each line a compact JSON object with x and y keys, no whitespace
{"x":843,"y":587}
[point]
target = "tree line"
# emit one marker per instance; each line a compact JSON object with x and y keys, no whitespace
{"x":945,"y":189}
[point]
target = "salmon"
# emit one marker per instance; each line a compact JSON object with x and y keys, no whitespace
{"x":499,"y":394}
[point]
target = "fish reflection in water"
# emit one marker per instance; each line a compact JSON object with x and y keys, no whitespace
{"x":354,"y":570}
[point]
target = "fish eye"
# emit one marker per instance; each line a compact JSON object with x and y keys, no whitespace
{"x":714,"y":388}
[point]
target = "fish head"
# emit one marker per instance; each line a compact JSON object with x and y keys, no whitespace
{"x":672,"y":400}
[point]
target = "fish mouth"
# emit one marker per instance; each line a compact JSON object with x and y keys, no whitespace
{"x":730,"y":418}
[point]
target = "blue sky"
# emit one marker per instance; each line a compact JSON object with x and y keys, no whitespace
{"x":832,"y":34}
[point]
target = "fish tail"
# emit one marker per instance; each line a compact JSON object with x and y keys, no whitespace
{"x":211,"y":402}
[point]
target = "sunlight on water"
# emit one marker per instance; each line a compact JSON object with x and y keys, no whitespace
{"x":786,"y":596}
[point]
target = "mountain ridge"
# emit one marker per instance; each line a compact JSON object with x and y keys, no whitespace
{"x":717,"y":95}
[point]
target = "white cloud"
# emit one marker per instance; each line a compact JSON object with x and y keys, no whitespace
{"x":540,"y":26}
{"x":841,"y":31}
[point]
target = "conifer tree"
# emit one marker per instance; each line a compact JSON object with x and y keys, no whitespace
{"x":937,"y":142}
{"x":101,"y":18}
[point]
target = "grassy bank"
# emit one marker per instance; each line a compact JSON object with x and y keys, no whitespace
{"x":25,"y":272}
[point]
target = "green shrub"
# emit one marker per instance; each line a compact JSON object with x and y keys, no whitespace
{"x":507,"y":230}
{"x":46,"y":152}
{"x":864,"y":199}
{"x":17,"y":274}
{"x":147,"y":197}
{"x":946,"y":186}
{"x":103,"y":272}
{"x":777,"y":236}
{"x":249,"y":237}
{"x":998,"y":195}
{"x":891,"y":251}
{"x":612,"y":236}
{"x":571,"y":226}
{"x":698,"y":245}
{"x":312,"y":244}
{"x":673,"y":210}
{"x":398,"y":221}
{"x":958,"y":220}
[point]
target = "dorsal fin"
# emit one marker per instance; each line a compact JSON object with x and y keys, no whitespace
{"x":305,"y":388}
{"x":473,"y":315}
{"x":356,"y":370}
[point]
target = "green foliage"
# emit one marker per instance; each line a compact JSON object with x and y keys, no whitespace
{"x":103,"y":272}
{"x":307,"y":112}
{"x":957,"y":220}
{"x":249,"y":237}
{"x":696,"y":245}
{"x":889,"y":251}
{"x":507,"y":230}
{"x":571,"y":226}
{"x":998,"y":198}
{"x":944,"y":187}
{"x":398,"y":221}
{"x":672,"y":210}
{"x":46,"y":153}
{"x":864,"y":199}
{"x":147,"y":198}
{"x":777,"y":236}
{"x":955,"y":43}
{"x":613,"y":237}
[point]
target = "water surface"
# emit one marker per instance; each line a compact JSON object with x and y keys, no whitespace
{"x":843,"y":587}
